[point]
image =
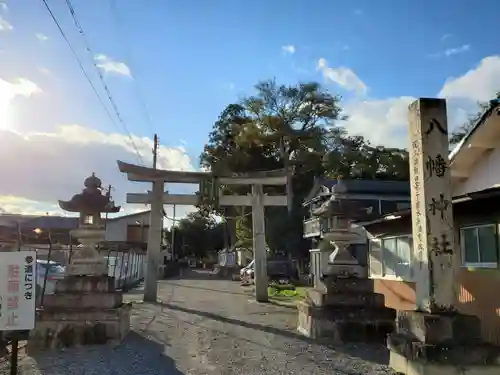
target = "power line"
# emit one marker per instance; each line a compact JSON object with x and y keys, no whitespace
{"x":85,"y":73}
{"x":82,"y":68}
{"x":128,"y":51}
{"x":101,"y":77}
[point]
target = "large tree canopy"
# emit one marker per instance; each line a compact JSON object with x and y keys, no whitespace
{"x":293,"y":126}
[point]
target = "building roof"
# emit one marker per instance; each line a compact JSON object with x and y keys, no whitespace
{"x":327,"y":187}
{"x":483,"y":194}
{"x":32,"y":221}
{"x":481,"y":138}
{"x":129,"y":215}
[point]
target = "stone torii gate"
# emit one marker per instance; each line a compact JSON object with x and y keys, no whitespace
{"x":209,"y":187}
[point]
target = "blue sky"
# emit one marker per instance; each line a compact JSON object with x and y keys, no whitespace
{"x":186,"y":60}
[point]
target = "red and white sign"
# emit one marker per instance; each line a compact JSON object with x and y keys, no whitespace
{"x":17,"y":290}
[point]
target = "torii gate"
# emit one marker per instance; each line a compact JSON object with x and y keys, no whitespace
{"x":209,"y":190}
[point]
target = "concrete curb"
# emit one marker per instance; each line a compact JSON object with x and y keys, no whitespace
{"x":287,"y":304}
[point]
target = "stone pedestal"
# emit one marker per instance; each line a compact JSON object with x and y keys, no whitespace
{"x":441,"y":344}
{"x":84,"y":310}
{"x":347,"y":310}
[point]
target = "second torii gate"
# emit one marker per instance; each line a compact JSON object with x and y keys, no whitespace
{"x":209,"y":190}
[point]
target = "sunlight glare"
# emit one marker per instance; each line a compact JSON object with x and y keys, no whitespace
{"x":8,"y":91}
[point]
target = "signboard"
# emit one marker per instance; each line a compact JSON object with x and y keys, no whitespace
{"x":17,"y":290}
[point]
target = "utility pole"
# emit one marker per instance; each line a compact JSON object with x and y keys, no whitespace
{"x":154,"y":231}
{"x":173,"y":233}
{"x":155,"y":150}
{"x":106,"y":227}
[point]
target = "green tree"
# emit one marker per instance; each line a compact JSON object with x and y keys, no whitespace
{"x":196,"y":235}
{"x":462,"y":130}
{"x":294,"y":126}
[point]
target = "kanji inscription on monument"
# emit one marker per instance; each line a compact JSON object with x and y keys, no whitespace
{"x":432,"y":214}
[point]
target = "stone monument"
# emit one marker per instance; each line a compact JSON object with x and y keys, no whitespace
{"x":436,"y":338}
{"x":343,"y":307}
{"x":85,"y":308}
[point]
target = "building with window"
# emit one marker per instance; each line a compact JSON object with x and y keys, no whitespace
{"x":475,"y":170}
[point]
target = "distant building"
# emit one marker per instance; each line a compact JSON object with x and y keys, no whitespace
{"x":129,"y":228}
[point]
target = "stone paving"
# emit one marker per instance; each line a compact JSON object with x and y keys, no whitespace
{"x":203,"y":326}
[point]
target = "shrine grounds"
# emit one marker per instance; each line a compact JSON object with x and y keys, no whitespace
{"x":206,"y":326}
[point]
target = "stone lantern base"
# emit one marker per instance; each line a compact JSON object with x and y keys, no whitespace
{"x":84,"y":310}
{"x":441,"y":344}
{"x":347,"y":310}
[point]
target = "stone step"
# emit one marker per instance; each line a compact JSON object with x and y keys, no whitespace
{"x":77,"y":301}
{"x":348,"y":329}
{"x":459,"y":355}
{"x":86,"y":284}
{"x":350,"y":313}
{"x":350,"y":284}
{"x":59,"y":314}
{"x":354,"y":299}
{"x":439,"y":328}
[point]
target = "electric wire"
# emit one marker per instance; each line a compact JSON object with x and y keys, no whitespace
{"x":80,"y":64}
{"x":101,"y":77}
{"x":128,"y":51}
{"x":87,"y":76}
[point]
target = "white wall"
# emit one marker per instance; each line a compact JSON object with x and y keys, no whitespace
{"x":485,"y":174}
{"x":116,"y":229}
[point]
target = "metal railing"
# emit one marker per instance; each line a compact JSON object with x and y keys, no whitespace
{"x":126,"y":265}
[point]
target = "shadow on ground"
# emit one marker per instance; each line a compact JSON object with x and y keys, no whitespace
{"x":372,"y":352}
{"x":137,"y":355}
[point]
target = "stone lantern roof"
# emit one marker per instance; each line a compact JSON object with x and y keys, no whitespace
{"x":91,"y":199}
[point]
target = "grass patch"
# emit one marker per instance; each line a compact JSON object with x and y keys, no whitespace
{"x":286,"y":292}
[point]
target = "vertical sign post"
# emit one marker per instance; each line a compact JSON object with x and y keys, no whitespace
{"x":432,"y":214}
{"x":17,"y":296}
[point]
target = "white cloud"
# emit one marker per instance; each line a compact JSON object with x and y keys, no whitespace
{"x":457,"y":50}
{"x":384,"y":121}
{"x":453,"y":51}
{"x":44,"y":71}
{"x":109,"y":65}
{"x":45,"y":167}
{"x":18,"y":205}
{"x":41,"y":37}
{"x":5,"y":25}
{"x":3,"y":6}
{"x":343,"y":77}
{"x":478,"y":84}
{"x":387,"y":116}
{"x":289,"y":49}
{"x":445,"y":37}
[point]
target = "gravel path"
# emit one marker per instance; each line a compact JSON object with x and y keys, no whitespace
{"x":205,"y":326}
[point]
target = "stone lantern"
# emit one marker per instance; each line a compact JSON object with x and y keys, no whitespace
{"x":90,"y":204}
{"x":85,"y":308}
{"x":344,"y":306}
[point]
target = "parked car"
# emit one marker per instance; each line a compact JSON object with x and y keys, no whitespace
{"x":278,"y":270}
{"x":54,"y":270}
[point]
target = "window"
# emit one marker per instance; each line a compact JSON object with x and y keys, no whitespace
{"x":89,"y":219}
{"x":479,"y":246}
{"x":391,"y":258}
